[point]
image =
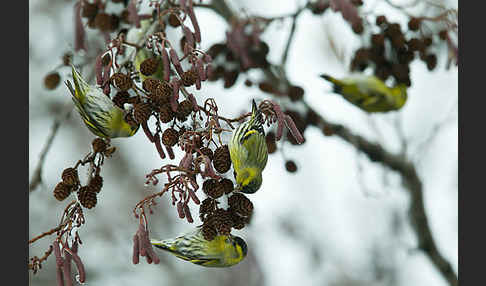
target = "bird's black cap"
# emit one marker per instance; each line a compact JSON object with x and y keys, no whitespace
{"x":241,"y":243}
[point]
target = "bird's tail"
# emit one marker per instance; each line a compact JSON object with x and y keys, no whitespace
{"x":80,"y":86}
{"x":76,"y":99}
{"x":162,"y":244}
{"x":337,"y":84}
{"x":169,"y":246}
{"x":70,"y":87}
{"x":256,"y":114}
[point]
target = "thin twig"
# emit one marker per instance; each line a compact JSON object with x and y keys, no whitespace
{"x":37,"y":176}
{"x":49,"y":232}
{"x":291,"y":34}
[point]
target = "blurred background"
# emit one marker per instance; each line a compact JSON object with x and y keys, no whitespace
{"x":339,"y":220}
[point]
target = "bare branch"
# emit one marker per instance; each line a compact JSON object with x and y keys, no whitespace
{"x":37,"y":176}
{"x":411,"y":182}
{"x":291,"y":34}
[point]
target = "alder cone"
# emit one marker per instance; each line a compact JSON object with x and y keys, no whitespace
{"x":206,"y":208}
{"x":189,"y":77}
{"x":227,"y":185}
{"x":70,"y":176}
{"x":238,"y":221}
{"x":241,"y":204}
{"x":62,"y":191}
{"x":185,"y":107}
{"x":209,"y":232}
{"x":290,"y":166}
{"x":87,"y":197}
{"x":103,"y":22}
{"x":121,"y":81}
{"x":166,"y":114}
{"x":213,"y":188}
{"x":221,"y":219}
{"x":149,"y":66}
{"x":150,"y":84}
{"x":141,"y":112}
{"x":222,"y":159}
{"x":96,"y":183}
{"x":208,"y":152}
{"x":51,"y":81}
{"x":99,"y":145}
{"x":170,"y":137}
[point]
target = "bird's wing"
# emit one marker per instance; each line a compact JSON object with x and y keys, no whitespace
{"x":99,"y":110}
{"x":87,"y":118}
{"x":255,"y":141}
{"x":252,"y":127}
{"x":248,"y":135}
{"x":237,"y":152}
{"x":373,"y":99}
{"x":372,"y":85}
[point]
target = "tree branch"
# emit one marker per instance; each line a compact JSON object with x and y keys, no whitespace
{"x":410,"y":180}
{"x":291,"y":34}
{"x":37,"y":175}
{"x":376,"y":153}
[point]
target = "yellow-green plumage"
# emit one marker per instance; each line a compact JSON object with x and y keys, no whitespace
{"x":99,"y":113}
{"x":369,"y":93}
{"x":222,"y":251}
{"x":248,"y":152}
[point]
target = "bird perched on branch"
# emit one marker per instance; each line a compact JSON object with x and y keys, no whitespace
{"x":222,"y":251}
{"x":248,"y":152}
{"x":369,"y":92}
{"x":98,"y":111}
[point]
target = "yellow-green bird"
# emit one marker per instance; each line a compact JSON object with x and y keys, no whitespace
{"x":248,"y":152}
{"x":98,"y":111}
{"x":222,"y":251}
{"x":369,"y":92}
